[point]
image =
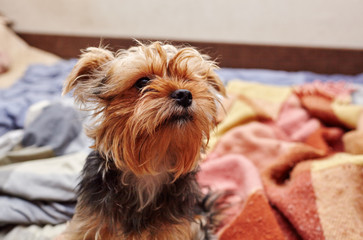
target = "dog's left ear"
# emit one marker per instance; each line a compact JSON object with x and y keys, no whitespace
{"x":91,"y":62}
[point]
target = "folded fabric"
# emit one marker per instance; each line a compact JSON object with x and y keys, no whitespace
{"x":56,"y":127}
{"x":33,"y":232}
{"x":19,"y":211}
{"x":26,"y":154}
{"x":40,"y":191}
{"x":9,"y":140}
{"x":293,"y":79}
{"x":40,"y":82}
{"x":300,"y":150}
{"x":249,"y":102}
{"x":52,"y":128}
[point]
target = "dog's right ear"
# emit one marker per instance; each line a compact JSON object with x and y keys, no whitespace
{"x":91,"y":63}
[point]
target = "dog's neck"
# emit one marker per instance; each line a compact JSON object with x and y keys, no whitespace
{"x":133,"y":202}
{"x":149,"y":186}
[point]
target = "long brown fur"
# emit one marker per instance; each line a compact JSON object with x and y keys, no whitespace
{"x":143,"y":133}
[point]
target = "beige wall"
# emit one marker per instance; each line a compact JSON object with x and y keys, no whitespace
{"x":322,"y":23}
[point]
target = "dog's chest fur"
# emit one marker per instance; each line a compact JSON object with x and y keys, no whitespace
{"x":118,"y":204}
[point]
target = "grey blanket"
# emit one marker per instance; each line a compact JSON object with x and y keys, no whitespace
{"x":40,"y":191}
{"x":39,"y":171}
{"x":40,"y":82}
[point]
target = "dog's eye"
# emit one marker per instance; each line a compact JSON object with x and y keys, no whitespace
{"x":142,"y":82}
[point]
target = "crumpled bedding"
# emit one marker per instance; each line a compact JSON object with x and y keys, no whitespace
{"x":283,"y":78}
{"x":39,"y":171}
{"x":40,"y":82}
{"x":288,"y":148}
{"x":39,"y":191}
{"x":293,"y":157}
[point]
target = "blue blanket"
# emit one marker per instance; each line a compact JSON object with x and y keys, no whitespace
{"x":40,"y":82}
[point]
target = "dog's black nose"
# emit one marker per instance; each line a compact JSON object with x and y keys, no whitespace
{"x":183,"y":97}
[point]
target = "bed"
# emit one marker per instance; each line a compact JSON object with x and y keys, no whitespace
{"x":288,"y":149}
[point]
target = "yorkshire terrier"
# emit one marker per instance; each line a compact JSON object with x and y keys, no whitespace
{"x":153,"y":107}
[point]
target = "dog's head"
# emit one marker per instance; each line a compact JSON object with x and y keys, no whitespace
{"x":154,"y":105}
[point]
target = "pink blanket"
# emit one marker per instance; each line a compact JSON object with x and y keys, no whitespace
{"x":293,"y":158}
